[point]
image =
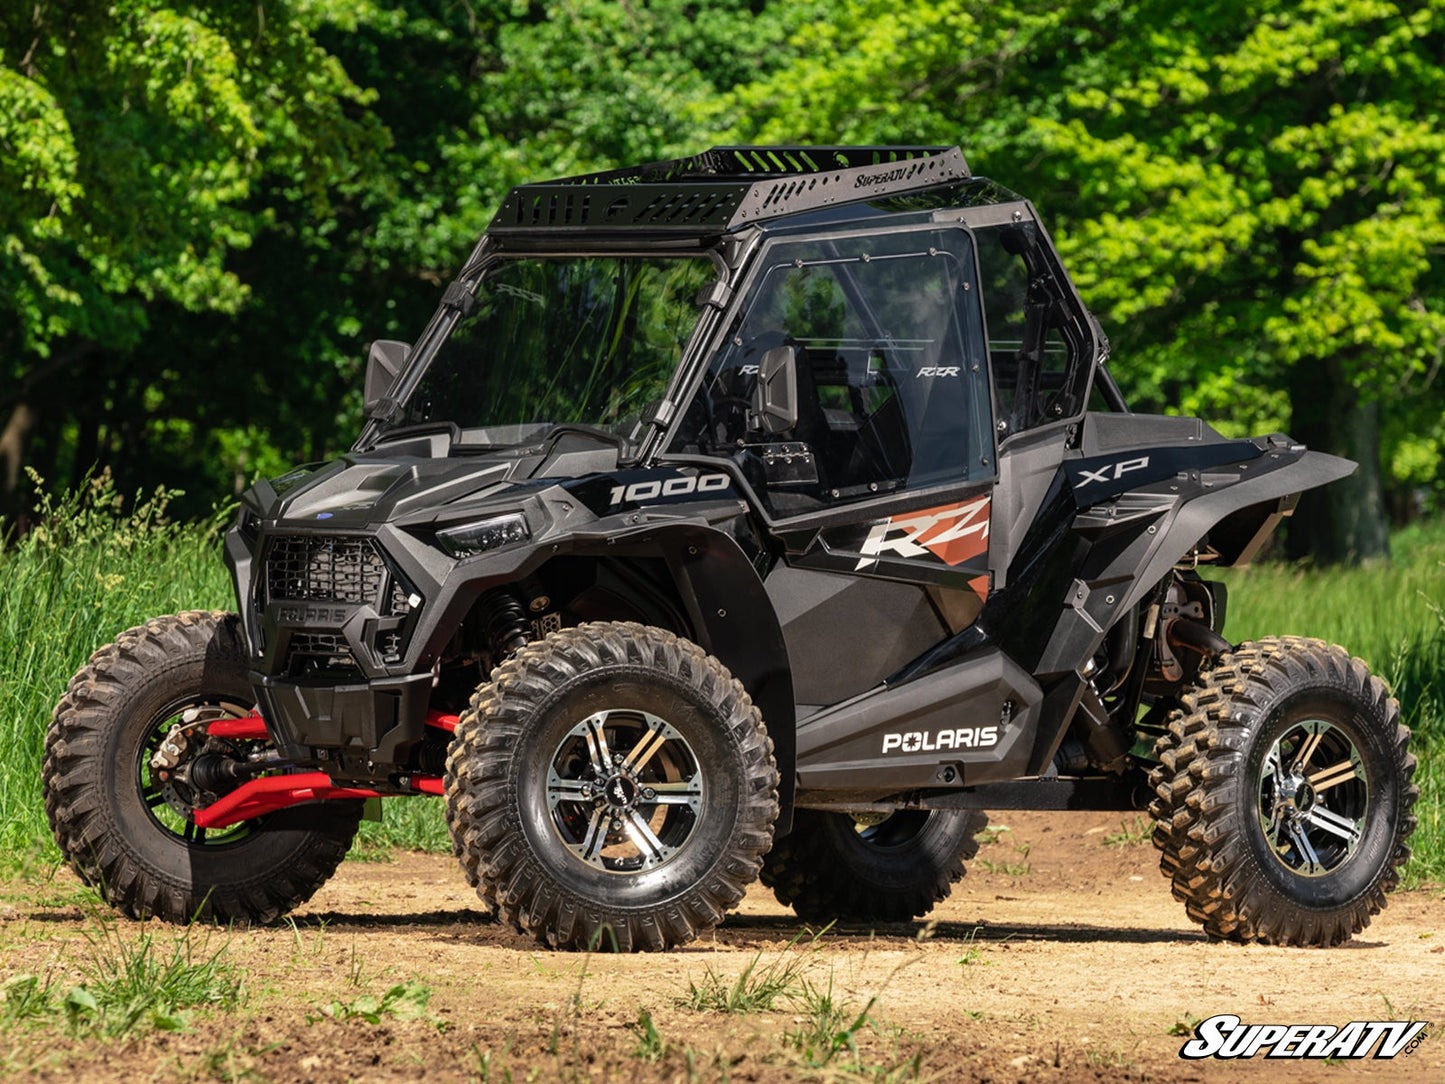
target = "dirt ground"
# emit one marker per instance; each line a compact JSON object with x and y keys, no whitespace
{"x":1059,"y":958}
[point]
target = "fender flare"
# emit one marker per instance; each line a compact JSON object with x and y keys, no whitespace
{"x":1195,"y":518}
{"x":734,"y":621}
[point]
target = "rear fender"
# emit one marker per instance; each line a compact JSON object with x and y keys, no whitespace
{"x":1265,"y":498}
{"x":1137,"y":537}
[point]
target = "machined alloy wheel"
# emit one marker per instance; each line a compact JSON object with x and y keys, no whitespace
{"x":612,"y":786}
{"x":1313,"y":798}
{"x":1284,"y":795}
{"x":628,"y":810}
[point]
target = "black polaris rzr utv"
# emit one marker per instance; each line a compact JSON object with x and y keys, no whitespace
{"x":767,"y":513}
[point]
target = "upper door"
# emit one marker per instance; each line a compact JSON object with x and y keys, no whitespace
{"x":883,"y":334}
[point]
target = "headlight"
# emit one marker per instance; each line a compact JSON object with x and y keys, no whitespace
{"x":471,"y":539}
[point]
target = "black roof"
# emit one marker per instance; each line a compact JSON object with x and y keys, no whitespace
{"x":726,"y":188}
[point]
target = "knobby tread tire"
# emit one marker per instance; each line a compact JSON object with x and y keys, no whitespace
{"x":135,"y":864}
{"x":1214,"y":869}
{"x":490,"y":749}
{"x":825,"y":876}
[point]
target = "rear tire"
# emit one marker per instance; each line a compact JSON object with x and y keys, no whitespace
{"x":829,"y":868}
{"x":611,"y":787}
{"x":126,"y":833}
{"x":1284,"y":795}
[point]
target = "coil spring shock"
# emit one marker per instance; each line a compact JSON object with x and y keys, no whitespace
{"x":504,"y":623}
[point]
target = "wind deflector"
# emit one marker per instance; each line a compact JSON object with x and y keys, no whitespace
{"x":726,"y":187}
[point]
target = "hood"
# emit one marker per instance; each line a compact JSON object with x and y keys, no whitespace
{"x":422,"y":481}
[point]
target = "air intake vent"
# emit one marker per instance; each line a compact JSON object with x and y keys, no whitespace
{"x":317,"y":653}
{"x":324,"y":568}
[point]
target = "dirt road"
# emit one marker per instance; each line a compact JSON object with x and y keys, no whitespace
{"x":1059,"y":958}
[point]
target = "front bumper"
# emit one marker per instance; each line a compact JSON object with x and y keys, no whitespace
{"x":362,"y":729}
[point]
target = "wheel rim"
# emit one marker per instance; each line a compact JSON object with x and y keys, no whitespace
{"x":1313,"y":798}
{"x":624,"y":791}
{"x":893,"y":830}
{"x":170,"y":801}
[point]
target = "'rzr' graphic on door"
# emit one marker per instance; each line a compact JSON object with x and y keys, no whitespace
{"x":954,"y":533}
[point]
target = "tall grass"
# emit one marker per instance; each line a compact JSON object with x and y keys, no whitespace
{"x":1391,"y":616}
{"x":92,"y":565}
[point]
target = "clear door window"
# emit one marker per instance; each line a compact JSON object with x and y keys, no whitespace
{"x":886,"y":340}
{"x":1035,"y":367}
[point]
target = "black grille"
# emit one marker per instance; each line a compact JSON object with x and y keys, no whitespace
{"x":319,"y":643}
{"x":323,"y":568}
{"x":400,"y":600}
{"x":320,"y":653}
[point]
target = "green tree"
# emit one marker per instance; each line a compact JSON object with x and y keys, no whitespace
{"x":142,"y":146}
{"x":1247,"y":194}
{"x":208,"y":209}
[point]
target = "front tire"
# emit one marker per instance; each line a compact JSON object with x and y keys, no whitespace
{"x":1284,"y":795}
{"x":125,"y":830}
{"x":832,"y":868}
{"x":611,"y":787}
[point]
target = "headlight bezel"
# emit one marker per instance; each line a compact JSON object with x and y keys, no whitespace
{"x":482,"y":536}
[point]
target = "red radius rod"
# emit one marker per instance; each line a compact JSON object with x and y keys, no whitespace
{"x":272,"y":792}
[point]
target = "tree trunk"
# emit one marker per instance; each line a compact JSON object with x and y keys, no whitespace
{"x":1344,"y":522}
{"x":12,"y":444}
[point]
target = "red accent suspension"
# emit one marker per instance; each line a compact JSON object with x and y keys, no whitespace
{"x":272,"y":792}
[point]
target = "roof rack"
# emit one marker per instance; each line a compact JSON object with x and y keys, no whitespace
{"x":725,"y":188}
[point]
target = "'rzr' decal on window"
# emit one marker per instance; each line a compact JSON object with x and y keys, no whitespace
{"x":954,"y":533}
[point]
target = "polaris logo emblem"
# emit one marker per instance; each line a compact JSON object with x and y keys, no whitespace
{"x":920,"y":741}
{"x":1111,"y":472}
{"x":311,"y":615}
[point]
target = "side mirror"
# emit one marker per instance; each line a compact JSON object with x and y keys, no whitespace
{"x":386,"y":359}
{"x":775,"y":395}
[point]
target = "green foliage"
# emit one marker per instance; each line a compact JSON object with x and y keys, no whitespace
{"x":650,"y":1044}
{"x":1134,"y":834}
{"x":207,"y":209}
{"x":1246,"y":194}
{"x":141,"y":130}
{"x":829,"y":1025}
{"x":416,"y":824}
{"x":403,"y":1001}
{"x":129,"y":984}
{"x":758,"y":987}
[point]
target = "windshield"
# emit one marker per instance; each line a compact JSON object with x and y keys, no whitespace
{"x":590,"y":340}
